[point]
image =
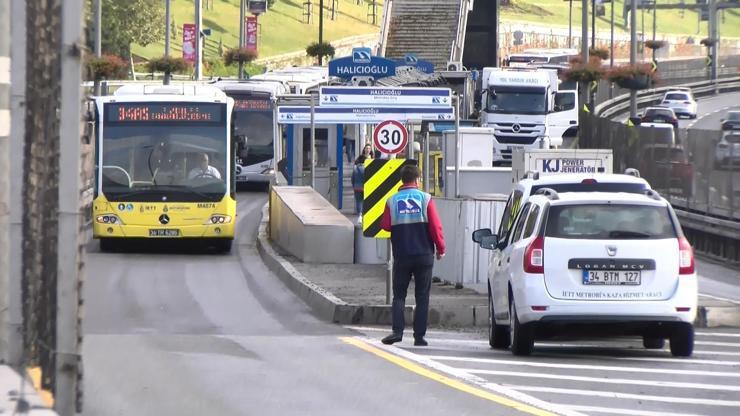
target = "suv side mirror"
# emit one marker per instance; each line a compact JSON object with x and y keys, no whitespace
{"x":479,"y":234}
{"x":489,"y":242}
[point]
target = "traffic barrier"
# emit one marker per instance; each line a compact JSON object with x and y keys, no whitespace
{"x":382,"y":179}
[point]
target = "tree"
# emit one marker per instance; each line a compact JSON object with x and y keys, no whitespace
{"x":320,"y":50}
{"x":129,"y":21}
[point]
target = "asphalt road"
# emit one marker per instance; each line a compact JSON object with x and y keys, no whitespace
{"x":200,"y":334}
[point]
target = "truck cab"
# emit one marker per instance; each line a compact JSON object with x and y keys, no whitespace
{"x":525,"y":109}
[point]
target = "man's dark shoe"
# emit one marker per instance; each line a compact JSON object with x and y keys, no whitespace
{"x":420,"y":342}
{"x":392,"y":338}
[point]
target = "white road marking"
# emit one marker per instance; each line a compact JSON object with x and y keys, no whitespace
{"x":720,"y":298}
{"x":613,"y":395}
{"x":596,"y":409}
{"x":587,"y":367}
{"x":472,"y":379}
{"x":717,"y":334}
{"x":718,"y":344}
{"x":620,"y":381}
{"x":388,"y":328}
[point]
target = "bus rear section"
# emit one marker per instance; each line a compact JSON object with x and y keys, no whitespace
{"x":164,"y":169}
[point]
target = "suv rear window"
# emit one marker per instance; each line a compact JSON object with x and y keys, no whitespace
{"x":609,"y":222}
{"x":658,"y":112}
{"x":631,"y":188}
{"x":677,"y":97}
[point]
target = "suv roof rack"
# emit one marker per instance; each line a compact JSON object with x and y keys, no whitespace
{"x":531,"y":174}
{"x":651,"y":193}
{"x":550,"y":193}
{"x":632,"y":172}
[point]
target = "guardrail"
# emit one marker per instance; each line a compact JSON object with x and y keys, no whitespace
{"x":621,"y":104}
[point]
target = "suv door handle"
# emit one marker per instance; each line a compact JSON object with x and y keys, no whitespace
{"x":508,"y":259}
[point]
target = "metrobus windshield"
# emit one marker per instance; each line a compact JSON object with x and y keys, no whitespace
{"x":253,"y":119}
{"x":171,"y":152}
{"x":519,"y":100}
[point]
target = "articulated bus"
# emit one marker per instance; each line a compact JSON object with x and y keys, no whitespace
{"x":539,"y":57}
{"x":164,"y":166}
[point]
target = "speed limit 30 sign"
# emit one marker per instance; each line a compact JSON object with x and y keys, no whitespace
{"x":390,"y":137}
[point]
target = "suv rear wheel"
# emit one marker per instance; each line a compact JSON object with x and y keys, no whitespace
{"x":682,"y":340}
{"x":498,"y":335}
{"x":522,"y":339}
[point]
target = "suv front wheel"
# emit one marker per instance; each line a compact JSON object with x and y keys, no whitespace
{"x":522,"y":338}
{"x":498,"y":335}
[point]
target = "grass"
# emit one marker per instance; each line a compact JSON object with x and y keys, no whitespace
{"x":555,"y":12}
{"x":281,"y":28}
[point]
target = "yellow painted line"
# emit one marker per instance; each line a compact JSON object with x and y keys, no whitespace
{"x":450,"y":382}
{"x":34,"y":373}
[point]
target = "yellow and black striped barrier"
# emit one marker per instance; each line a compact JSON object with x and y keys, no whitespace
{"x":382,"y":179}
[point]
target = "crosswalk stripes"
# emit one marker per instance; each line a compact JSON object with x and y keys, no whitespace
{"x":597,"y":377}
{"x":382,"y":179}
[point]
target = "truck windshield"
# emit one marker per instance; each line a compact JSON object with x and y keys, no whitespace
{"x":517,"y":101}
{"x":173,"y":160}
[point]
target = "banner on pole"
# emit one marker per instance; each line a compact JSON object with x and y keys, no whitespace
{"x":188,"y":42}
{"x":251,"y":41}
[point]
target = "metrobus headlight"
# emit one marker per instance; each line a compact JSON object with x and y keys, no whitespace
{"x":268,"y":171}
{"x":220,"y":219}
{"x":108,"y":219}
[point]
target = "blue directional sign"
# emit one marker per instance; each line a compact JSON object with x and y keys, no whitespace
{"x":362,"y":64}
{"x":411,"y":60}
{"x":333,"y":115}
{"x":381,"y":96}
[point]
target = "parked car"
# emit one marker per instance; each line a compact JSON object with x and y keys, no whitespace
{"x":732,"y":121}
{"x":659,"y":115}
{"x":681,"y":101}
{"x":592,"y":264}
{"x":727,"y":151}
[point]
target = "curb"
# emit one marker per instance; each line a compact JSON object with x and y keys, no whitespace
{"x":331,"y":308}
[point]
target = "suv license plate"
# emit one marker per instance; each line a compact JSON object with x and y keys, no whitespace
{"x":610,"y":277}
{"x":164,"y":233}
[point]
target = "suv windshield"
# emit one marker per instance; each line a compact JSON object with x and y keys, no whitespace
{"x":609,"y":222}
{"x":733,"y":115}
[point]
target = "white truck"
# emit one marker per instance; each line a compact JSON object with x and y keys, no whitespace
{"x":543,"y":162}
{"x":526,"y":110}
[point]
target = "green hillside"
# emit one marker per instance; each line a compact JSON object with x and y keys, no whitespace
{"x":281,"y":29}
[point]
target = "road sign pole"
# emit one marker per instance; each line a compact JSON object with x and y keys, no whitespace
{"x":389,"y":273}
{"x":198,"y":43}
{"x":457,"y":146}
{"x":633,"y":53}
{"x":313,"y":145}
{"x":242,"y":14}
{"x":426,"y":162}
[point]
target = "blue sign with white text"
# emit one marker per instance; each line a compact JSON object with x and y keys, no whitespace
{"x":411,"y":60}
{"x":362,"y":64}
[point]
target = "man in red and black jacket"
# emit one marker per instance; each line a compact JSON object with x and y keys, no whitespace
{"x":411,"y":217}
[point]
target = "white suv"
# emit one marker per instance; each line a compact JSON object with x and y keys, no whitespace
{"x":592,"y":263}
{"x":681,"y":101}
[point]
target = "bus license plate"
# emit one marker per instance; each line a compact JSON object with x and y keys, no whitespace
{"x":164,"y":233}
{"x":611,"y":277}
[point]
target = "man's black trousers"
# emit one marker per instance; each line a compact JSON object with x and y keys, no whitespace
{"x":403,"y":268}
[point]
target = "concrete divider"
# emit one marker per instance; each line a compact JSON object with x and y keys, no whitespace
{"x":308,"y":227}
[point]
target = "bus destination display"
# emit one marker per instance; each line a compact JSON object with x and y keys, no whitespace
{"x":174,"y":112}
{"x":252,"y":104}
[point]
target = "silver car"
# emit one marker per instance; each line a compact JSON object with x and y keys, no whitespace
{"x":727,"y":151}
{"x":681,"y":101}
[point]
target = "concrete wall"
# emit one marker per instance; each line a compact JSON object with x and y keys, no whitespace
{"x":308,"y":227}
{"x":465,"y":262}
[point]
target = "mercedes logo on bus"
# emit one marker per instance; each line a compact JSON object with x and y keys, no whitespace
{"x":516,"y":128}
{"x":164,"y":219}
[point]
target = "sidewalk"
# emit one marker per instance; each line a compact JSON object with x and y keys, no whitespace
{"x":356,"y":293}
{"x":10,"y":394}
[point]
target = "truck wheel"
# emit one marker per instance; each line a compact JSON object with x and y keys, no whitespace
{"x":682,"y":341}
{"x":522,"y":339}
{"x":498,"y":335}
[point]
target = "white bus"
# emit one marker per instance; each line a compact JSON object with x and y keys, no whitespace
{"x":538,"y":57}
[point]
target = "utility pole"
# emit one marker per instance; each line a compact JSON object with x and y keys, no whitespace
{"x":593,"y":24}
{"x":198,"y":41}
{"x":633,"y":53}
{"x":321,"y":28}
{"x":99,"y":26}
{"x":242,"y":15}
{"x":5,"y":297}
{"x":570,"y":23}
{"x":584,"y":31}
{"x":655,"y":20}
{"x":167,"y":25}
{"x":611,"y":48}
{"x":714,"y":36}
{"x":69,"y":261}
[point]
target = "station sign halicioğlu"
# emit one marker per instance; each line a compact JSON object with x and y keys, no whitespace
{"x":382,"y":96}
{"x":372,"y":115}
{"x":362,"y":64}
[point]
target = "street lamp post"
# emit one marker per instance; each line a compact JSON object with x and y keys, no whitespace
{"x":655,"y":18}
{"x":570,"y":23}
{"x":242,"y":13}
{"x":593,"y":24}
{"x":633,"y":53}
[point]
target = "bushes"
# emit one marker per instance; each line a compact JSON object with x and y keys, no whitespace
{"x":708,"y":42}
{"x":592,"y":71}
{"x":106,"y":67}
{"x":320,"y":50}
{"x":655,"y":44}
{"x":237,"y":55}
{"x":167,"y":64}
{"x":601,"y":53}
{"x":634,"y":77}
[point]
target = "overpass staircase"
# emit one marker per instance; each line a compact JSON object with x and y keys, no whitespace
{"x":433,"y":30}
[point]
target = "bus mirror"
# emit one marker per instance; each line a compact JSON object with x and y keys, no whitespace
{"x":241,"y":140}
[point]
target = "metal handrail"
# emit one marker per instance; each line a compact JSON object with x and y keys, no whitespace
{"x":620,"y":104}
